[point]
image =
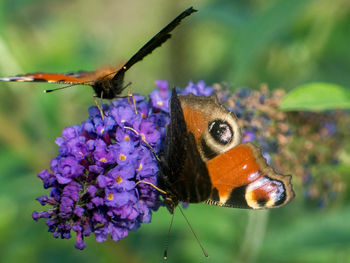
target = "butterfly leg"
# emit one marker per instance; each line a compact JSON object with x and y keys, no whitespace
{"x":98,"y":105}
{"x":129,"y":95}
{"x":144,"y":140}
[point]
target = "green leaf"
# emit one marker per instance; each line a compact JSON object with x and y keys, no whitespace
{"x":317,"y":97}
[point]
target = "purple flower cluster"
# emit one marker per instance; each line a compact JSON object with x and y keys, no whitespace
{"x":259,"y":118}
{"x":94,"y":179}
{"x":323,"y":136}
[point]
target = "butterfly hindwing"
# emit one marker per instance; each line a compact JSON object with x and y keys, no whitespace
{"x":242,"y":178}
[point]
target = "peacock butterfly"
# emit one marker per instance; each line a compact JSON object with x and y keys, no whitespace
{"x":205,"y":161}
{"x":107,"y":82}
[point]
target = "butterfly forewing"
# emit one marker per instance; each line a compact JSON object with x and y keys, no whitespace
{"x":151,"y":45}
{"x":68,"y":78}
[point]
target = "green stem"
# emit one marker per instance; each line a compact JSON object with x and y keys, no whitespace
{"x":254,"y":236}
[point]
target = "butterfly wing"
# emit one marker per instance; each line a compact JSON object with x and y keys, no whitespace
{"x":101,"y":75}
{"x":66,"y":78}
{"x":239,"y":174}
{"x":184,"y":174}
{"x":147,"y":49}
{"x":215,"y":128}
{"x":242,"y":178}
{"x":192,"y":183}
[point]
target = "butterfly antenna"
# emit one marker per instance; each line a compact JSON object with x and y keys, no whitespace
{"x":194,"y":233}
{"x":68,"y":86}
{"x":51,"y":90}
{"x":165,"y":257}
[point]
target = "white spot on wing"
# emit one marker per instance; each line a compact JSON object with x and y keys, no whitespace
{"x":273,"y":188}
{"x":253,"y":176}
{"x":17,"y":79}
{"x":257,"y":184}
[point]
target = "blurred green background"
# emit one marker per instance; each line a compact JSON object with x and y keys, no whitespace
{"x":282,"y":43}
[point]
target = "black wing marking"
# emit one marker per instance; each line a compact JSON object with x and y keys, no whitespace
{"x":148,"y":48}
{"x":193,"y":184}
{"x":184,"y":173}
{"x":176,"y":137}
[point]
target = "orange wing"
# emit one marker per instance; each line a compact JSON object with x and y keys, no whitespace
{"x":241,"y":178}
{"x":81,"y":77}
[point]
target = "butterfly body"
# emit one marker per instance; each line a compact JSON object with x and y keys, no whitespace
{"x":106,"y":86}
{"x":107,"y":82}
{"x":205,"y":161}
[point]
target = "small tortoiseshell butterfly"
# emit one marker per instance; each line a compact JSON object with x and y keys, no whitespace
{"x":205,"y":161}
{"x":107,"y":82}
